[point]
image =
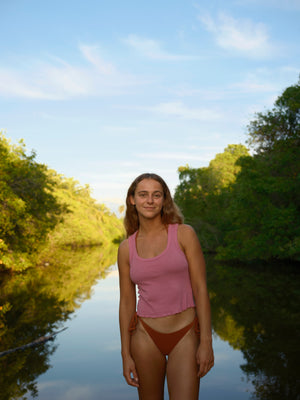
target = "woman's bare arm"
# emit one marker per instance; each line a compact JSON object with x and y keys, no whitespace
{"x":127,"y":308}
{"x":192,"y":248}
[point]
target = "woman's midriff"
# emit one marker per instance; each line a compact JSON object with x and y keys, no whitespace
{"x":171,"y":323}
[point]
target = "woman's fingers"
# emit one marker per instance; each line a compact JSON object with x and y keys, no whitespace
{"x":204,"y":368}
{"x":134,"y":380}
{"x":205,"y":360}
{"x":131,"y":376}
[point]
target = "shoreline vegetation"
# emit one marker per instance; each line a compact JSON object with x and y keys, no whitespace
{"x":42,"y":211}
{"x":245,"y":206}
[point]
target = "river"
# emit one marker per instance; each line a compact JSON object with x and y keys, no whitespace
{"x":253,"y":311}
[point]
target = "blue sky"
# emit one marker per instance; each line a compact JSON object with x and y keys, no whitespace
{"x":106,"y":90}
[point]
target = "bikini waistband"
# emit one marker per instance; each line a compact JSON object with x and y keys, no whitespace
{"x":134,"y":321}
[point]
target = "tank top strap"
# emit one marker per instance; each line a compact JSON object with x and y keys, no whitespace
{"x":173,"y":229}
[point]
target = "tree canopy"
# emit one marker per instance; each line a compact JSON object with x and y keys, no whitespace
{"x":41,"y":207}
{"x":279,"y":126}
{"x":244,"y":206}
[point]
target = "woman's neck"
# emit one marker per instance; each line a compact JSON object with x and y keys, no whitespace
{"x":150,"y":226}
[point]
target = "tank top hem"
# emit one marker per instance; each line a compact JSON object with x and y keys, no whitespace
{"x":166,"y":313}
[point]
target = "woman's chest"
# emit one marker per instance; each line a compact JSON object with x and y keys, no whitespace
{"x":151,"y":247}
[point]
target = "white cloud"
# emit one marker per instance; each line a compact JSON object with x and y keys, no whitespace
{"x":238,"y":35}
{"x":152,"y":49}
{"x":267,"y":82}
{"x":56,"y":79}
{"x":91,"y":53}
{"x":174,"y":156}
{"x":15,"y":83}
{"x":178,"y":109}
{"x":281,"y":4}
{"x":253,"y":86}
{"x":259,"y":81}
{"x":289,"y":69}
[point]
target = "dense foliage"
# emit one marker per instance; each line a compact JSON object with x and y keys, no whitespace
{"x":41,"y":208}
{"x":204,"y":193}
{"x":248,"y":207}
{"x":86,"y":223}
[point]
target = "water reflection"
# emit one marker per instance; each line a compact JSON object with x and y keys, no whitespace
{"x":255,"y":320}
{"x":257,"y":311}
{"x":38,"y":303}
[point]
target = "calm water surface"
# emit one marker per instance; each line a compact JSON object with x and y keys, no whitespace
{"x":87,"y":364}
{"x":84,"y":363}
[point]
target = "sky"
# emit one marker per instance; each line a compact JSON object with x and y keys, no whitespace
{"x":106,"y":90}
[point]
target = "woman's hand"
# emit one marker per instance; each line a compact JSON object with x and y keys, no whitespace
{"x":205,"y":358}
{"x":129,"y":372}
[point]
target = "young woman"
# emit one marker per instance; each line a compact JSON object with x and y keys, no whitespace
{"x":170,"y":333}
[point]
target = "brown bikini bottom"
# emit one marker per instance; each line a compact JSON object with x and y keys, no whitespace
{"x":164,"y":341}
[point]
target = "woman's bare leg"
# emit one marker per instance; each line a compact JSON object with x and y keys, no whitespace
{"x":182,"y":369}
{"x":150,"y":365}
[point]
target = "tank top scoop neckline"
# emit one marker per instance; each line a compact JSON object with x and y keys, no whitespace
{"x":155,"y":257}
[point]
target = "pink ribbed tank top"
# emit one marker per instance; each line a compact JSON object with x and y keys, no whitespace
{"x":164,"y":285}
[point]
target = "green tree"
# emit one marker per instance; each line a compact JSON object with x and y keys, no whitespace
{"x":248,"y":207}
{"x":29,"y":210}
{"x":42,"y":210}
{"x":264,"y":212}
{"x":279,"y":126}
{"x":86,"y":223}
{"x":203,"y":194}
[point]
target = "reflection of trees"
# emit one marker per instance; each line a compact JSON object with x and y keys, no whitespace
{"x":36,"y":304}
{"x":257,"y":311}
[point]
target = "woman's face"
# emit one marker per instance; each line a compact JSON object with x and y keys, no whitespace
{"x":148,"y":198}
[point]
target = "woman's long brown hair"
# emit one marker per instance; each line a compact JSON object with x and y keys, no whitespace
{"x":170,"y":213}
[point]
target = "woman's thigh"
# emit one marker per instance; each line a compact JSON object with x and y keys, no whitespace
{"x":182,"y":369}
{"x":150,"y":364}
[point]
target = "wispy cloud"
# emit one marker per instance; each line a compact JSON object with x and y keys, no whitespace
{"x":174,"y":156}
{"x":258,"y":81}
{"x":238,"y":35}
{"x":234,"y":90}
{"x":153,"y":49}
{"x":249,"y":86}
{"x":19,"y":84}
{"x":284,"y":5}
{"x":180,"y":110}
{"x":56,"y":79}
{"x":92,"y":54}
{"x":289,"y":69}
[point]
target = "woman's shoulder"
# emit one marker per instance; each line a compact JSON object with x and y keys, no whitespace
{"x":127,"y":245}
{"x":186,"y":234}
{"x":124,"y":247}
{"x":185,"y":229}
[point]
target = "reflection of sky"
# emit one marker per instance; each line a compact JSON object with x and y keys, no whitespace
{"x":87,"y":362}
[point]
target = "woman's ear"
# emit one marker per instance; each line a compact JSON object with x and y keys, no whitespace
{"x":132,"y":200}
